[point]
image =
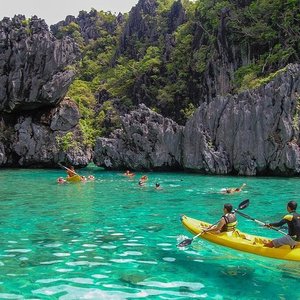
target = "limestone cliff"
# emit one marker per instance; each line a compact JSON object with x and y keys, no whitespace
{"x":35,"y":74}
{"x":39,"y":140}
{"x":252,"y":133}
{"x":33,"y":65}
{"x":147,"y":141}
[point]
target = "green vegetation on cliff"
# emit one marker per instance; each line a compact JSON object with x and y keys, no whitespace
{"x":174,"y":55}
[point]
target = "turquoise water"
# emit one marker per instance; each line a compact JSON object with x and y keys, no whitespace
{"x":111,"y":239}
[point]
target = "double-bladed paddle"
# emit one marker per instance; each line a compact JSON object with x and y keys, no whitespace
{"x":64,"y":167}
{"x":260,"y":222}
{"x":187,"y":242}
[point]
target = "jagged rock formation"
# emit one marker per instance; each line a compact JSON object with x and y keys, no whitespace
{"x":139,"y":27}
{"x":39,"y":140}
{"x":34,"y":78}
{"x":252,"y":133}
{"x":147,"y":141}
{"x":90,"y":24}
{"x":142,"y":25}
{"x":33,"y":63}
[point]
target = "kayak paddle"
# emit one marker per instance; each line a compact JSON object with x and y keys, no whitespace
{"x":187,"y":242}
{"x":260,"y":222}
{"x":62,"y":166}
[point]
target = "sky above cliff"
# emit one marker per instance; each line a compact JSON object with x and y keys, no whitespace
{"x":54,"y":11}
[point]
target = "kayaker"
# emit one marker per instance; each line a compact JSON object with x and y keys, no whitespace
{"x":128,"y":173}
{"x":292,"y":219}
{"x":71,"y":171}
{"x":227,"y":222}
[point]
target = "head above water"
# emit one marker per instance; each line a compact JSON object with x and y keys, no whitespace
{"x":228,"y":207}
{"x":292,"y":205}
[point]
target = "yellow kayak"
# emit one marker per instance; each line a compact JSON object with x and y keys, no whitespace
{"x":241,"y":241}
{"x":75,"y":178}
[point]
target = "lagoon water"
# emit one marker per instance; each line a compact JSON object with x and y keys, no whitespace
{"x":111,"y":239}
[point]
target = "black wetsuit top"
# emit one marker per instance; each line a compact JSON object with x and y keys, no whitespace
{"x":293,"y":221}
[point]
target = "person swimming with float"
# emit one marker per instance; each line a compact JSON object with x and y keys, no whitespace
{"x":233,"y":190}
{"x":61,"y":180}
{"x":144,"y":178}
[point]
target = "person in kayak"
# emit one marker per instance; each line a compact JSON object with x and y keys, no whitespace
{"x":144,"y":178}
{"x":227,"y":222}
{"x":129,"y":174}
{"x":292,"y":219}
{"x":71,"y":171}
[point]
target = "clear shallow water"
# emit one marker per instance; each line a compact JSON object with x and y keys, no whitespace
{"x":111,"y":239}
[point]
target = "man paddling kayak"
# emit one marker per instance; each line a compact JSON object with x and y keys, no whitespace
{"x":292,"y":219}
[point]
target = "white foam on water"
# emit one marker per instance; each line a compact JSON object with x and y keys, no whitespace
{"x":131,"y":253}
{"x":108,"y":247}
{"x":61,"y":254}
{"x":169,"y":259}
{"x":18,"y":250}
{"x":53,"y":245}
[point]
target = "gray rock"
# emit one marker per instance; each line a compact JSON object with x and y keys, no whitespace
{"x":3,"y":157}
{"x":66,"y":116}
{"x":33,"y":65}
{"x":146,"y":141}
{"x":253,"y":133}
{"x":39,"y":140}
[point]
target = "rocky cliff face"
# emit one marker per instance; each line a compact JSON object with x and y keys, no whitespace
{"x":252,"y":133}
{"x":33,"y":63}
{"x":40,"y":139}
{"x":142,"y":26}
{"x":147,"y":141}
{"x":90,"y":24}
{"x":34,"y":78}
